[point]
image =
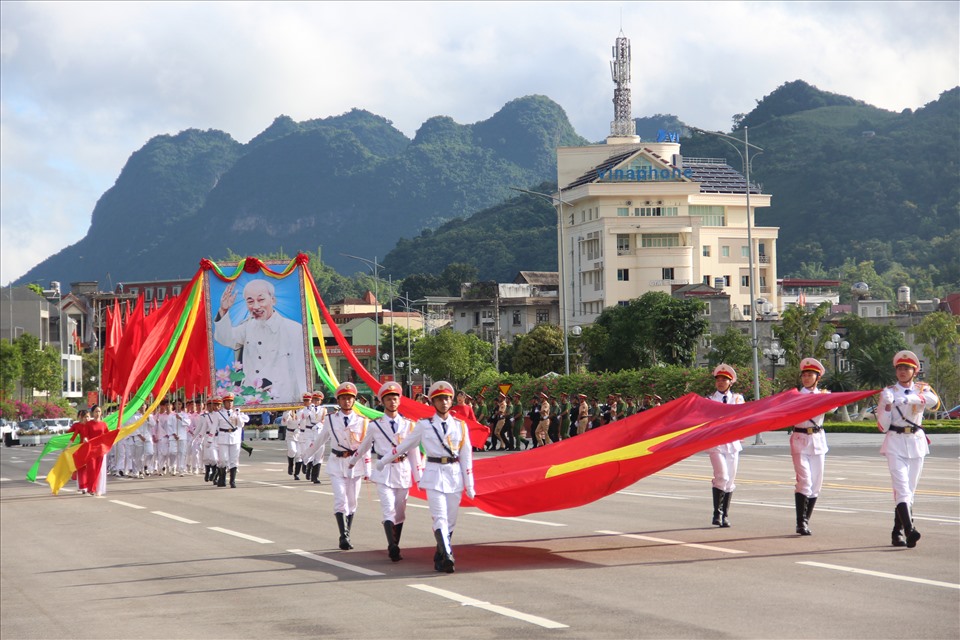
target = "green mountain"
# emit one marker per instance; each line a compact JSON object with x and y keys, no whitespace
{"x":850,"y":183}
{"x":351,"y":183}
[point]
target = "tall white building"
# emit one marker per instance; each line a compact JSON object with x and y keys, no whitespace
{"x":637,"y":216}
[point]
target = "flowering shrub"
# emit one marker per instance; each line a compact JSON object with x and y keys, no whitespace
{"x":24,"y":411}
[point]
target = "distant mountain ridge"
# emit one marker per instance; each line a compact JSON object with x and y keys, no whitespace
{"x":848,"y":180}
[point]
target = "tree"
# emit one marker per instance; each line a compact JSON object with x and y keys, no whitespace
{"x":452,"y":356}
{"x":540,"y":351}
{"x":654,"y":328}
{"x":732,"y":347}
{"x":852,"y":273}
{"x":41,"y":366}
{"x":797,"y":330}
{"x":11,"y":367}
{"x":939,"y":335}
{"x":398,"y":346}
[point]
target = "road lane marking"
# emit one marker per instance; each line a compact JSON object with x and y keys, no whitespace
{"x":323,"y":493}
{"x":651,"y":495}
{"x":4,"y":479}
{"x":493,"y":608}
{"x":173,"y":517}
{"x":241,"y":535}
{"x":878,"y":574}
{"x":271,"y":484}
{"x":490,"y":515}
{"x":127,"y":504}
{"x":677,"y":542}
{"x":335,"y":563}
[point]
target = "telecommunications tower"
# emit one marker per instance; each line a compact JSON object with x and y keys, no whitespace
{"x":623,"y":124}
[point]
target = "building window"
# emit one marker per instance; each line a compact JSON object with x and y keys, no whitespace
{"x":463,"y":314}
{"x":623,"y":244}
{"x":623,"y":303}
{"x":656,"y":212}
{"x":744,"y":251}
{"x":706,"y":310}
{"x":657,"y":240}
{"x":711,"y":215}
{"x":543,"y":316}
{"x":177,"y":290}
{"x":726,"y":281}
{"x":572,"y":217}
{"x":623,"y":211}
{"x":706,"y":251}
{"x":516,"y":318}
{"x":744,"y":281}
{"x":133,"y":290}
{"x":725,"y":251}
{"x":706,"y":280}
{"x":746,"y":311}
{"x":161,"y":294}
{"x":763,"y":282}
{"x":623,"y":275}
{"x":667,"y":273}
{"x":583,"y":215}
{"x":148,"y":294}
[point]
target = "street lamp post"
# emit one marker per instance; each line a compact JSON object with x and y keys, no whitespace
{"x":774,"y":352}
{"x":745,"y":158}
{"x":558,"y":202}
{"x":837,"y":346}
{"x":54,"y":292}
{"x":375,"y":267}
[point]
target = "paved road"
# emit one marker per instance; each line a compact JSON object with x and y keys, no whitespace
{"x":175,"y":558}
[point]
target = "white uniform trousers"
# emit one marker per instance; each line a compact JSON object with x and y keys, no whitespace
{"x":904,"y":474}
{"x":809,"y":468}
{"x":150,"y":455}
{"x":725,"y":470}
{"x":163,"y":452}
{"x":228,"y":455}
{"x":210,"y":451}
{"x":393,"y":503}
{"x":294,"y":448}
{"x":137,"y":458}
{"x":346,"y":493}
{"x":444,"y":508}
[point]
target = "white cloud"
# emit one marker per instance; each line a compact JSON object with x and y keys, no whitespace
{"x":84,"y":85}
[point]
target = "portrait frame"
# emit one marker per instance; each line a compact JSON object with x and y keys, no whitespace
{"x":290,"y":362}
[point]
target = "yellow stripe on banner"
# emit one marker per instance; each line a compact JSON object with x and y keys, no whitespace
{"x":629,"y":452}
{"x":318,"y":327}
{"x":65,"y":466}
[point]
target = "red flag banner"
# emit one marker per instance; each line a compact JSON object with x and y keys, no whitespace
{"x":602,"y":461}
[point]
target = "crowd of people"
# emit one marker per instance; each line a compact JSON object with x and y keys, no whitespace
{"x":436,"y":452}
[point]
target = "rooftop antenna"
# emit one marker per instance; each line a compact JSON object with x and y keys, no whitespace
{"x":623,"y":124}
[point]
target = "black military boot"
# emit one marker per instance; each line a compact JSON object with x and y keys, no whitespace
{"x":397,"y":530}
{"x":344,"y":532}
{"x":438,"y":554}
{"x":443,"y":560}
{"x":296,"y":470}
{"x":233,"y":477}
{"x":206,"y":473}
{"x":222,"y":477}
{"x":896,"y":536}
{"x":724,"y":520}
{"x":806,"y":519}
{"x":393,"y":549}
{"x":348,"y":520}
{"x":289,"y":466}
{"x":717,"y":506}
{"x":307,"y":470}
{"x":801,"y":501}
{"x":316,"y":473}
{"x":903,"y":510}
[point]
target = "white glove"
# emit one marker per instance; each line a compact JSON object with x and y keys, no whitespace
{"x":914,"y":399}
{"x":471,"y":493}
{"x":380,"y":464}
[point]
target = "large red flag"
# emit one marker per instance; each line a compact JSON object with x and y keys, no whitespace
{"x":110,"y":347}
{"x":129,"y":346}
{"x":602,"y":461}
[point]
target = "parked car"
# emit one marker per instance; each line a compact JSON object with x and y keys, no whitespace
{"x":9,"y":430}
{"x":33,"y":424}
{"x":57,"y":425}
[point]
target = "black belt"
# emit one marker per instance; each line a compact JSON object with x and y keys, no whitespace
{"x":341,"y":454}
{"x":398,"y":458}
{"x":906,"y":430}
{"x":807,"y":430}
{"x":443,"y":460}
{"x":228,"y":430}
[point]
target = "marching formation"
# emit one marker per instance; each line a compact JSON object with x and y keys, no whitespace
{"x":435,"y":452}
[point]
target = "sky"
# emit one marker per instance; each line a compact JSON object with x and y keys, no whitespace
{"x":83,"y":85}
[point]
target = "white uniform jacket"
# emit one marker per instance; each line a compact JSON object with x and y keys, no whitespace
{"x":383,"y":438}
{"x":441,"y":443}
{"x":732,"y":398}
{"x":181,"y":426}
{"x":345,"y":431}
{"x":229,"y":425}
{"x":900,"y":414}
{"x":814,"y":441}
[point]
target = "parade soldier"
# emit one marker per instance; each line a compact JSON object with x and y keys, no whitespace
{"x":725,"y":457}
{"x":298,"y":426}
{"x":346,"y":429}
{"x":448,"y":471}
{"x":518,"y":426}
{"x":209,"y":433}
{"x":316,"y":416}
{"x":229,"y":424}
{"x":393,"y":481}
{"x":180,"y":439}
{"x":808,"y":448}
{"x":899,"y":415}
